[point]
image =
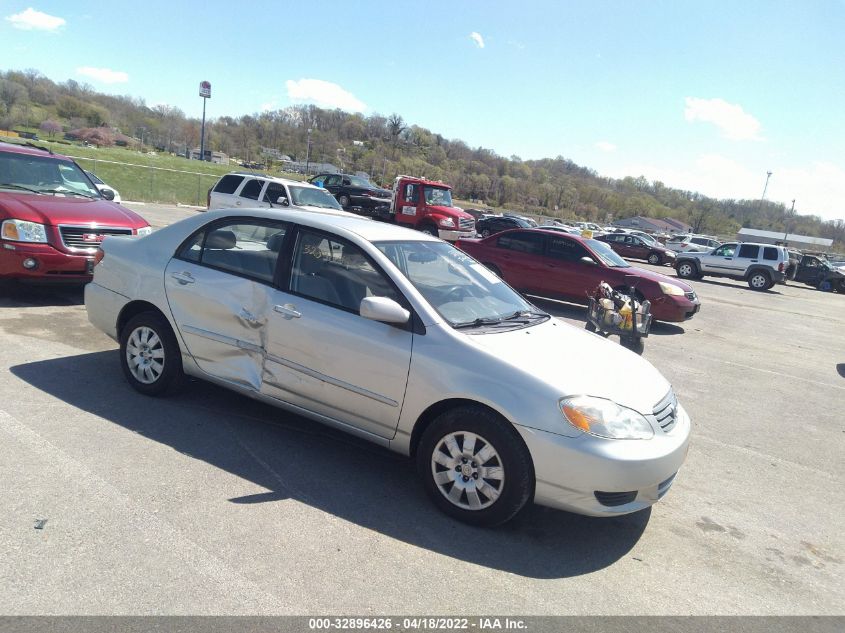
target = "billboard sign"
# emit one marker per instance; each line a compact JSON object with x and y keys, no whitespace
{"x":205,"y":89}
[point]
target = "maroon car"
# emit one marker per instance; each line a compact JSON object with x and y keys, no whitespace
{"x":53,"y":218}
{"x":570,"y":267}
{"x":636,"y":247}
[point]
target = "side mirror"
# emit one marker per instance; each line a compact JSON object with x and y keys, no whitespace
{"x":108,"y":194}
{"x":383,"y":309}
{"x":283,"y":201}
{"x":588,"y":260}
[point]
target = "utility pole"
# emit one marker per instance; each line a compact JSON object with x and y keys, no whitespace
{"x":766,"y":186}
{"x":308,"y":152}
{"x":205,"y":93}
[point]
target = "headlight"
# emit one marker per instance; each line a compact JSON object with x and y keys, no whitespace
{"x":670,"y":289}
{"x":447,"y":222}
{"x":604,"y":418}
{"x":670,"y":254}
{"x":146,"y":230}
{"x":22,"y":231}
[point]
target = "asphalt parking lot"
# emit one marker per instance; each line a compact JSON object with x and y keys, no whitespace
{"x":209,"y":503}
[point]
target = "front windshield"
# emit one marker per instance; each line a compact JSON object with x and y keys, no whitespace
{"x":462,"y":291}
{"x":606,"y":254}
{"x":437,"y":196}
{"x":312,"y":197}
{"x":357,"y":181}
{"x":43,"y":174}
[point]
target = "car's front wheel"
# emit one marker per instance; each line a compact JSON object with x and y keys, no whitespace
{"x":687,"y":270}
{"x":475,"y":466}
{"x":655,"y":259}
{"x":150,"y":356}
{"x":759,"y":281}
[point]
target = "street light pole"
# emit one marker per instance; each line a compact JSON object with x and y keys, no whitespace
{"x":786,"y":223}
{"x":308,"y":153}
{"x":205,"y":93}
{"x":766,"y":186}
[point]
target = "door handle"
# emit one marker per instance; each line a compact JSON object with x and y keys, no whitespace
{"x":288,"y":310}
{"x":183,"y":277}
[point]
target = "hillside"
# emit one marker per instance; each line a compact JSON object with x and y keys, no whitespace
{"x":384,"y":146}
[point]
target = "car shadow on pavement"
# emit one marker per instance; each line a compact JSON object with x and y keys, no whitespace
{"x":16,"y":295}
{"x":293,"y":457}
{"x":575,"y":311}
{"x":729,"y":283}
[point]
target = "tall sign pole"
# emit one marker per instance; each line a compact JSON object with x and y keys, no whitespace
{"x":205,"y":93}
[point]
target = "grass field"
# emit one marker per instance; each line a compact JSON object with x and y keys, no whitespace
{"x":144,"y":177}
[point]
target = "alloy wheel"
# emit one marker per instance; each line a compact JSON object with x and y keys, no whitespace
{"x":467,"y":470}
{"x":145,"y":355}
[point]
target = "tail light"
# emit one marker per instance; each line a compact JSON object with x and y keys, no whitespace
{"x":780,"y":267}
{"x":98,"y":256}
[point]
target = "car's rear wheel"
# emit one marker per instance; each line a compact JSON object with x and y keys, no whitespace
{"x":655,"y":259}
{"x":485,"y":233}
{"x":475,"y":466}
{"x":759,"y":281}
{"x":150,"y":356}
{"x":687,"y":270}
{"x":344,"y":201}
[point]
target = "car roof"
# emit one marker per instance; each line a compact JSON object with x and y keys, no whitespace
{"x":284,"y":181}
{"x":370,"y":230}
{"x":30,"y":150}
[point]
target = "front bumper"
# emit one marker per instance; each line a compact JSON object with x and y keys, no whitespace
{"x":674,"y":308}
{"x":600,"y":477}
{"x":453,"y":235}
{"x":51,"y":265}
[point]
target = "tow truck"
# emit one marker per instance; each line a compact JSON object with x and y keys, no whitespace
{"x":426,"y":205}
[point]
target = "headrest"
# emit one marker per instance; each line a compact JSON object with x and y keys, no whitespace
{"x":221,"y":239}
{"x":308,"y":264}
{"x":274,"y":243}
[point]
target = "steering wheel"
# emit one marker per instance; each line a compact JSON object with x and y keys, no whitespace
{"x":455,"y":293}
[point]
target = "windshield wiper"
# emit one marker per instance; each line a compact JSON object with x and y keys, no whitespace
{"x":521,"y":317}
{"x":9,"y":185}
{"x":67,"y":192}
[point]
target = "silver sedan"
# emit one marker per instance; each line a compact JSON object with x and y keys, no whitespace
{"x":399,"y":338}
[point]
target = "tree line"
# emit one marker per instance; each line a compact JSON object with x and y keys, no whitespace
{"x":384,"y":146}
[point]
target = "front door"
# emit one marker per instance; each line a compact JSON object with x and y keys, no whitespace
{"x":720,"y":261}
{"x":321,"y":354}
{"x":219,"y":287}
{"x":568,"y":276}
{"x":808,"y":270}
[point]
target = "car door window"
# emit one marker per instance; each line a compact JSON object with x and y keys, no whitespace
{"x":243,"y":247}
{"x":252,"y":189}
{"x":726,"y":250}
{"x":331,"y":181}
{"x":563,"y":249}
{"x":411,"y":193}
{"x":274,"y":191}
{"x":748,"y":251}
{"x":522,"y":242}
{"x":228,"y":184}
{"x":334,"y":271}
{"x":770,"y":253}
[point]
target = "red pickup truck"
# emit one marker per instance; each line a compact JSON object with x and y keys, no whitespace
{"x":53,"y":218}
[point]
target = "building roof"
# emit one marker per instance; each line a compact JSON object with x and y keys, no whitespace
{"x":778,"y":236}
{"x":668,"y":225}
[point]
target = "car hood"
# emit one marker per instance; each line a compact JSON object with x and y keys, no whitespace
{"x":656,"y":277}
{"x":54,"y":210}
{"x":450,"y":211}
{"x":576,"y":362}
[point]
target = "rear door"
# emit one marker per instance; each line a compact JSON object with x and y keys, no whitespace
{"x":220,"y":288}
{"x":746,"y":256}
{"x":520,"y":258}
{"x":249,"y":194}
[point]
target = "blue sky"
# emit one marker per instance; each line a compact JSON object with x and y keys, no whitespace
{"x":702,"y":96}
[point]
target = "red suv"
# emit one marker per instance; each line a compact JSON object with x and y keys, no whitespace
{"x":560,"y":266}
{"x":53,"y":218}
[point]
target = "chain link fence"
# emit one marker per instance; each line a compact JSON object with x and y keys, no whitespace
{"x":142,"y":183}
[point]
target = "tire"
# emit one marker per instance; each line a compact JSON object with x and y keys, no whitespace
{"x":429,"y":229}
{"x":148,"y":334}
{"x":344,"y":201}
{"x":494,"y":269}
{"x":841,"y":286}
{"x":635,"y":345}
{"x":655,"y":259}
{"x":485,"y":233}
{"x":686,"y":270}
{"x":509,"y":478}
{"x":759,"y":280}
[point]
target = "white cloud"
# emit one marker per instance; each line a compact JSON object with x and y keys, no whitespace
{"x":818,"y":188}
{"x":734,"y":122}
{"x":323,"y":93}
{"x":103,"y":75}
{"x":476,"y":37}
{"x":606,"y":146}
{"x":269,"y":106}
{"x":32,"y":20}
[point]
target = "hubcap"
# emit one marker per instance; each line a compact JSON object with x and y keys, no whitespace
{"x":686,"y":270}
{"x":467,"y":470}
{"x":758,"y":281}
{"x":145,"y":355}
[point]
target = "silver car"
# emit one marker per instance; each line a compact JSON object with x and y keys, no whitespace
{"x":399,"y":338}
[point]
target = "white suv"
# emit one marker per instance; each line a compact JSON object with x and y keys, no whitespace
{"x":761,"y":265}
{"x":257,"y":191}
{"x":692,"y":244}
